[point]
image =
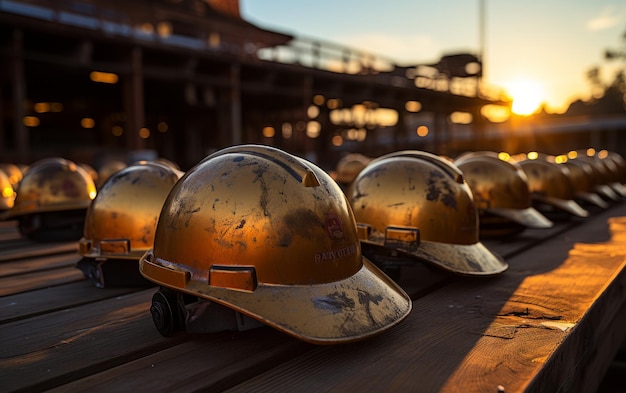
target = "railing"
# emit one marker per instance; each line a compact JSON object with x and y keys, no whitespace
{"x":126,"y":19}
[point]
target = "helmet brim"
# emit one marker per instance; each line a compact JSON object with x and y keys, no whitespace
{"x":619,"y":189}
{"x":464,"y":259}
{"x":607,"y":192}
{"x":358,"y":307}
{"x":566,"y":205}
{"x":529,"y":217}
{"x":592,"y":198}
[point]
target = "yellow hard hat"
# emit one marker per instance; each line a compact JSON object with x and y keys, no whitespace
{"x":121,"y":220}
{"x":421,"y":193}
{"x":52,"y":199}
{"x":349,"y":166}
{"x":582,"y":176}
{"x":7,"y":193}
{"x":13,"y":172}
{"x":109,"y":168}
{"x":273,"y":237}
{"x":500,"y":189}
{"x":551,"y":186}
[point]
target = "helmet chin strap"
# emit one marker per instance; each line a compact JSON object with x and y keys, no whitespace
{"x":204,"y":316}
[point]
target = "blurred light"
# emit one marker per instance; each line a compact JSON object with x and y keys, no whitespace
{"x":533,"y":155}
{"x":504,"y":156}
{"x":287,"y":130}
{"x":422,"y":131}
{"x":269,"y":132}
{"x":117,"y":130}
{"x":31,"y":121}
{"x":333,"y":103}
{"x":300,"y":126}
{"x":337,"y":141}
{"x":312,"y":111}
{"x":42,"y":107}
{"x":318,"y":99}
{"x":164,"y":29}
{"x":103,"y":77}
{"x":560,"y":159}
{"x":144,"y":133}
{"x":495,"y":113}
{"x":361,"y":134}
{"x":87,"y":122}
{"x":591,"y":152}
{"x":92,"y":194}
{"x":603,"y":154}
{"x":162,"y":126}
{"x":7,"y":192}
{"x":313,"y":129}
{"x":413,"y":106}
{"x":214,"y":39}
{"x":572,"y":154}
{"x":385,"y":117}
{"x":56,"y":107}
{"x":146,"y":28}
{"x":461,"y":117}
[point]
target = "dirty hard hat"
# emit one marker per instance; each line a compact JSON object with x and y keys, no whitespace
{"x":7,"y":194}
{"x":551,"y":187}
{"x":272,"y":237}
{"x":120,"y":223}
{"x":52,"y":200}
{"x":500,"y":189}
{"x":420,"y":204}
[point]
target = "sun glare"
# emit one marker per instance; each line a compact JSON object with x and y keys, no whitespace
{"x":527,"y":97}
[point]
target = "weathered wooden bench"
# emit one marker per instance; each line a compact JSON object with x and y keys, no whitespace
{"x":552,"y":323}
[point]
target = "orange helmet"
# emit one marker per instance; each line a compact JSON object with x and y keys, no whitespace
{"x":620,"y":165}
{"x":603,"y":177}
{"x":7,"y":194}
{"x":551,"y":187}
{"x":52,"y":199}
{"x":501,"y":194}
{"x":582,"y":174}
{"x":90,"y":170}
{"x":109,"y":168}
{"x":273,"y":237}
{"x":349,"y":167}
{"x":13,"y":172}
{"x":120,"y":223}
{"x":425,"y":209}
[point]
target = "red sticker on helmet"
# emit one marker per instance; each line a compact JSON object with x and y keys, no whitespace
{"x":334,"y":226}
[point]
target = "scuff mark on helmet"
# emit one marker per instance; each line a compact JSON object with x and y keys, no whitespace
{"x":334,"y":302}
{"x":438,"y":189}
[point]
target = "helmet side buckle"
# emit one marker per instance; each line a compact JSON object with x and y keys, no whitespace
{"x":241,"y":278}
{"x":363,"y":231}
{"x":402,"y":237}
{"x":115,"y":246}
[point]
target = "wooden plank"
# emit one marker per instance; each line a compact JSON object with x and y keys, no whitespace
{"x":9,"y":231}
{"x":50,"y":299}
{"x":49,"y":350}
{"x":53,"y":261}
{"x":28,"y":249}
{"x":209,"y":362}
{"x":118,"y":343}
{"x":528,"y":329}
{"x":39,"y":279}
{"x":113,"y":345}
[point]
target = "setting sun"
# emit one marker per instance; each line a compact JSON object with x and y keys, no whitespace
{"x":527,"y":96}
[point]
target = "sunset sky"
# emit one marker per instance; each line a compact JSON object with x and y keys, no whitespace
{"x":544,"y":47}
